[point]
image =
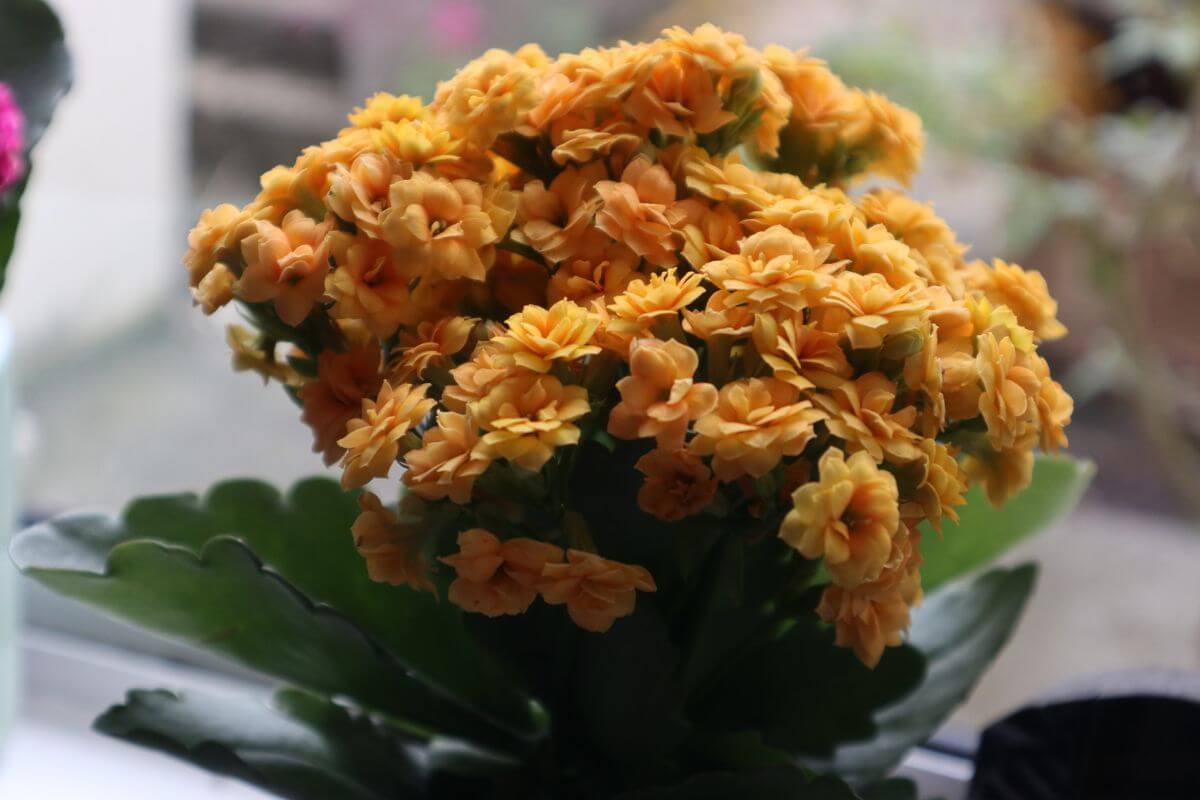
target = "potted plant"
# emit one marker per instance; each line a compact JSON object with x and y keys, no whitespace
{"x":685,"y":426}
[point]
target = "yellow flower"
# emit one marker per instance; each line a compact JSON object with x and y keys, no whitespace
{"x":383,"y":107}
{"x":1010,"y":387}
{"x":664,"y":295}
{"x":961,"y":388}
{"x":448,"y":460}
{"x":601,"y":276}
{"x":719,"y":318}
{"x":755,"y":424}
{"x":498,"y":578}
{"x":537,"y":337}
{"x":934,"y":484}
{"x":359,"y":194}
{"x":490,"y":95}
{"x":634,"y":211}
{"x":859,"y":412}
{"x":596,"y":591}
{"x":1024,"y":291}
{"x":473,"y":379}
{"x":848,"y":517}
{"x":1003,"y":473}
{"x":207,"y":240}
{"x":373,"y":440}
{"x":527,"y":416}
{"x":215,"y":289}
{"x":393,"y":550}
{"x":582,"y":145}
{"x":868,"y":311}
{"x":446,"y":228}
{"x":872,"y":249}
{"x":814,"y":215}
{"x":774,"y":269}
{"x":286,"y":265}
{"x":999,"y":320}
{"x":678,"y":97}
{"x":677,"y":484}
{"x":800,"y":354}
{"x":874,"y":615}
{"x":366,"y":284}
{"x":820,"y":101}
{"x":557,"y":221}
{"x":431,"y":343}
{"x":659,"y":397}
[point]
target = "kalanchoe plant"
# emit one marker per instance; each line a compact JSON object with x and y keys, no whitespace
{"x":678,"y":440}
{"x":35,"y":72}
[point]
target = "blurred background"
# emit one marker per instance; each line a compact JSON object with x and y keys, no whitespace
{"x":1063,"y":134}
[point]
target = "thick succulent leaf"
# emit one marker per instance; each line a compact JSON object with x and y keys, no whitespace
{"x":225,"y":601}
{"x":781,"y":783}
{"x":35,"y":64}
{"x":960,"y":629}
{"x":983,"y":532}
{"x":304,"y":747}
{"x":304,"y":538}
{"x":804,"y":694}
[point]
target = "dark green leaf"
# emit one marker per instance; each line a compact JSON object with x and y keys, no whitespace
{"x":960,"y":630}
{"x":983,"y":532}
{"x":305,"y":538}
{"x":782,"y":783}
{"x":805,"y":694}
{"x":225,"y":601}
{"x":305,"y":747}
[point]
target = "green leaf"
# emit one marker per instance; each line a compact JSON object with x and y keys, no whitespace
{"x":781,"y":783}
{"x":804,"y":694}
{"x":305,"y":538}
{"x":959,"y":630}
{"x":305,"y":747}
{"x":35,"y":64}
{"x":983,"y":532}
{"x":225,"y":601}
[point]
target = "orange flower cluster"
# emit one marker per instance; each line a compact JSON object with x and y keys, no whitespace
{"x":652,"y":248}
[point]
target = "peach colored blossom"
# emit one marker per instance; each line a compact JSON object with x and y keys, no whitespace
{"x":1010,"y":389}
{"x":634,"y":211}
{"x":498,"y":578}
{"x":343,"y":380}
{"x":474,"y":378}
{"x":558,"y":221}
{"x":393,"y":550}
{"x":659,"y":397}
{"x":366,"y":284}
{"x":527,"y":417}
{"x":800,"y":354}
{"x":286,"y":265}
{"x":677,"y":485}
{"x":868,"y":312}
{"x":448,"y":461}
{"x":537,"y":337}
{"x":430,"y":344}
{"x":596,"y":591}
{"x":757,"y":422}
{"x":861,"y":413}
{"x":373,"y":439}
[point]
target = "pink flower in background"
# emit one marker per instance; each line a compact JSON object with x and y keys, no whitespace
{"x":457,"y":24}
{"x":12,"y":125}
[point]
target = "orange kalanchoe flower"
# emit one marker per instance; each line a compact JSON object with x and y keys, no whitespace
{"x":596,"y":591}
{"x":490,"y":95}
{"x":472,"y":379}
{"x":634,"y":211}
{"x":367,"y":285}
{"x":773,"y":270}
{"x":677,"y":485}
{"x":755,"y":424}
{"x":537,"y":337}
{"x":1025,"y":292}
{"x":678,"y":97}
{"x":448,"y":460}
{"x":431,"y":343}
{"x":860,"y":412}
{"x":848,"y":517}
{"x":527,"y":417}
{"x":873,"y":616}
{"x":557,"y":221}
{"x":344,"y":380}
{"x":373,"y":440}
{"x":393,"y":551}
{"x":659,"y":397}
{"x":868,"y":311}
{"x":644,"y":302}
{"x":498,"y":578}
{"x":446,"y":228}
{"x":286,"y":265}
{"x":588,"y":277}
{"x":1010,"y":387}
{"x":1003,"y":473}
{"x":800,"y":354}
